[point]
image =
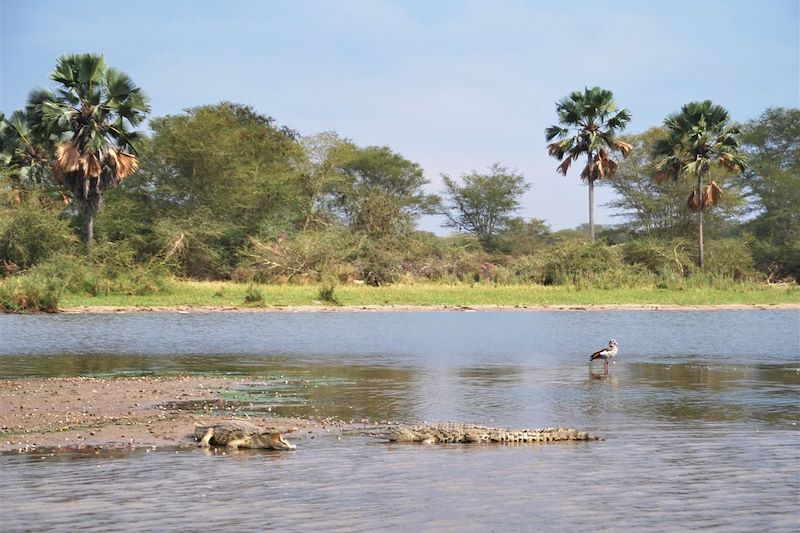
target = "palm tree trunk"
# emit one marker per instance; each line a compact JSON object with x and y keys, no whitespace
{"x":591,"y":201}
{"x":89,"y":230}
{"x":700,"y":252}
{"x":699,"y":199}
{"x":591,"y":210}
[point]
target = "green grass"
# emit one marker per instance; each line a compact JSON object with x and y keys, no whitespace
{"x":193,"y":293}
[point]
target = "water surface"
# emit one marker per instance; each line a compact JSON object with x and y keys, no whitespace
{"x":700,"y":417}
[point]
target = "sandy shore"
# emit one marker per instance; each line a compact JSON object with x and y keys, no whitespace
{"x":117,"y":412}
{"x":379,"y":308}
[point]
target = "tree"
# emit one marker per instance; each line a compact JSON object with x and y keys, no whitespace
{"x":216,"y":175}
{"x":382,"y":192}
{"x":524,"y":237}
{"x":588,"y":121}
{"x":225,"y":161}
{"x":483,"y":204}
{"x":658,"y":209}
{"x":322,"y":172}
{"x":698,"y":138}
{"x":772,"y":143}
{"x":89,"y":122}
{"x":772,"y":182}
{"x":24,"y":162}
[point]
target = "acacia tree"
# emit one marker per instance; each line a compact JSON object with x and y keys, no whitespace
{"x":325,"y":156}
{"x":88,"y":121}
{"x":772,"y":142}
{"x":381,"y":193}
{"x":698,"y":138}
{"x":215,"y":175}
{"x":482,"y":205}
{"x":588,"y":121}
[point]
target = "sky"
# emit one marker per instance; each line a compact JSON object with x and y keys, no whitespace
{"x":454,"y":86}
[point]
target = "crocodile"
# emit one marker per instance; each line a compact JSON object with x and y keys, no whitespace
{"x":241,"y":434}
{"x":451,"y":433}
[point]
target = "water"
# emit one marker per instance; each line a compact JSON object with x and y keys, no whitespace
{"x":700,"y":417}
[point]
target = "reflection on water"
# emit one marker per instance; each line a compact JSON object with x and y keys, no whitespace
{"x":701,"y":431}
{"x":765,"y":394}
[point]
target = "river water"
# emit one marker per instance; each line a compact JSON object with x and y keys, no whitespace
{"x":700,"y":416}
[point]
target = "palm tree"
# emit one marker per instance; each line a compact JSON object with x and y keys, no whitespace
{"x":588,"y":121}
{"x":699,"y":137}
{"x":89,"y":122}
{"x":23,"y":160}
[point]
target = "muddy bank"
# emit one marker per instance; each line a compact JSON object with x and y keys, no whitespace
{"x":401,"y":307}
{"x":117,"y":412}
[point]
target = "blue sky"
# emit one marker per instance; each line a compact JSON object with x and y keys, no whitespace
{"x":451,"y":85}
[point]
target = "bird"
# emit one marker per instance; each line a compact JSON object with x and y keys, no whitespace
{"x":609,"y":352}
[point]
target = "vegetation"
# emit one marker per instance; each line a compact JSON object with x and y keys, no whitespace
{"x":227,"y":295}
{"x":658,"y":209}
{"x":588,"y":121}
{"x":229,"y":208}
{"x":86,"y":129}
{"x":484,"y":203}
{"x":699,"y":138}
{"x":772,"y":183}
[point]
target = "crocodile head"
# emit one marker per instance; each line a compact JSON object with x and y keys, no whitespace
{"x":271,"y":441}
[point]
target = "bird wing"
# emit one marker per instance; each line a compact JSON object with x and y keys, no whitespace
{"x":599,"y":354}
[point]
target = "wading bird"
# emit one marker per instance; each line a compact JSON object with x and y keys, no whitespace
{"x":606,"y":353}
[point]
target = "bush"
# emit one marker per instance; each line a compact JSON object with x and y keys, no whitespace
{"x":581,"y":264}
{"x":30,"y":234}
{"x":376,"y":263}
{"x":779,"y":262}
{"x":109,"y":271}
{"x":30,"y":292}
{"x":730,"y":258}
{"x":326,"y":293}
{"x":253,"y":295}
{"x":663,"y":258}
{"x":452,"y":259}
{"x":304,"y":258}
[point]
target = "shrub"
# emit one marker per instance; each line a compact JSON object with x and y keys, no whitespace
{"x":663,"y":258}
{"x":778,"y":261}
{"x":376,"y":264}
{"x":253,"y":295}
{"x":730,"y":258}
{"x":578,"y":263}
{"x":452,"y":259}
{"x":30,"y":292}
{"x":303,"y":258}
{"x":109,"y":271}
{"x":30,"y":234}
{"x":326,"y":293}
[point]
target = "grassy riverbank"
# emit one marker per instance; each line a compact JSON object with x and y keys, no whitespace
{"x":226,"y":294}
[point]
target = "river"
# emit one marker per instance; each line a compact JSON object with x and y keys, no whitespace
{"x":699,"y":414}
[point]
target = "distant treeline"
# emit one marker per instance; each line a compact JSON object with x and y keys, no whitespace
{"x":224,"y":192}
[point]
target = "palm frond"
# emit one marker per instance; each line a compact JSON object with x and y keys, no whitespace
{"x":564,"y":166}
{"x":119,"y":85}
{"x":90,"y":165}
{"x":68,"y":157}
{"x":555,"y":131}
{"x":623,"y":147}
{"x":558,"y":149}
{"x":124,"y":163}
{"x":586,"y":173}
{"x":712,"y":194}
{"x":693,"y":202}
